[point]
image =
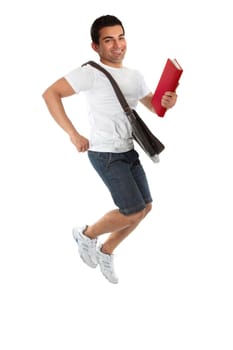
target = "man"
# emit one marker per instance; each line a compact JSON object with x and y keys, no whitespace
{"x":110,"y":145}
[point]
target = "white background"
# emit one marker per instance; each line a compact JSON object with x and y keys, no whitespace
{"x":175,"y":270}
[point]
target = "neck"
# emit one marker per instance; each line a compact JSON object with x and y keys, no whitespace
{"x":111,"y":64}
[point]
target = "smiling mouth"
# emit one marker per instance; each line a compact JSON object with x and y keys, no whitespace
{"x":117,"y":52}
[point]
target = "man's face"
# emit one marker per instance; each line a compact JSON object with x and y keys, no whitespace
{"x":112,"y":46}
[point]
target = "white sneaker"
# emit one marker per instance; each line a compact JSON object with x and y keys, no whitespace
{"x":106,"y":265}
{"x":86,"y":246}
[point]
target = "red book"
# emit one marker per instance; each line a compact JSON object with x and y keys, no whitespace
{"x":168,"y":82}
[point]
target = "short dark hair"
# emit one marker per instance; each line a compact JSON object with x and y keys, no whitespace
{"x":101,"y":22}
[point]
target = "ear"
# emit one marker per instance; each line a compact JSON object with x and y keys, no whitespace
{"x":95,"y":46}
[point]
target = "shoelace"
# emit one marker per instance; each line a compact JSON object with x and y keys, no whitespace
{"x":88,"y":241}
{"x":107,"y":261}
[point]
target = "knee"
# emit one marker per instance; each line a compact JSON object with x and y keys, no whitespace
{"x":148,"y":208}
{"x":137,"y":217}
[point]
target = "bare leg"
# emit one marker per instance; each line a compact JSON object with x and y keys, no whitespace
{"x":118,"y":236}
{"x":120,"y":225}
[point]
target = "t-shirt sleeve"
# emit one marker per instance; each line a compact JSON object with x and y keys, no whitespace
{"x":81,"y":78}
{"x":143,"y":88}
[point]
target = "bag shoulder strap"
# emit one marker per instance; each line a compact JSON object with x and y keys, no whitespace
{"x":121,"y":97}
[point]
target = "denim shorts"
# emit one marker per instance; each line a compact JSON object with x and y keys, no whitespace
{"x":125,"y":178}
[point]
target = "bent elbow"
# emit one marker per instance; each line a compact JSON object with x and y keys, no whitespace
{"x":45,"y":94}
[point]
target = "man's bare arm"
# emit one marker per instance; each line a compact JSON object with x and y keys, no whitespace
{"x":53,"y":99}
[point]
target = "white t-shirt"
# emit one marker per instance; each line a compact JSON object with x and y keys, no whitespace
{"x":110,"y":130}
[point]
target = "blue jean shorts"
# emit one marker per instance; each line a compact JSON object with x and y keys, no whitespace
{"x":125,"y":178}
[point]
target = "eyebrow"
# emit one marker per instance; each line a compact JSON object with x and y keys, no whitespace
{"x":111,"y":37}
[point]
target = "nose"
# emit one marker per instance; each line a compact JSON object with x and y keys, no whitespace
{"x":117,"y":43}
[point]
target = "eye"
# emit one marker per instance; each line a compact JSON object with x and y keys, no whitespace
{"x":107,"y":41}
